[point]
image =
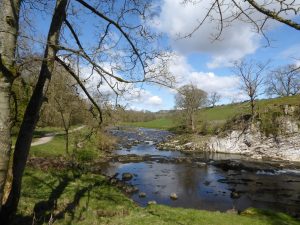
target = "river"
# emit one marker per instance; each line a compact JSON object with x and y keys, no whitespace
{"x":205,"y":181}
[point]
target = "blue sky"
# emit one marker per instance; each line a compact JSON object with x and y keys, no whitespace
{"x":207,"y":63}
{"x":199,"y":60}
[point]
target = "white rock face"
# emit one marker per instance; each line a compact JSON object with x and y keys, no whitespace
{"x":254,"y":144}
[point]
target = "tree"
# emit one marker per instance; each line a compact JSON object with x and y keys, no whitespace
{"x":9,"y":18}
{"x":63,"y":102}
{"x":257,"y":13}
{"x":213,"y":98}
{"x":190,"y":98}
{"x":122,"y":56}
{"x":284,"y":81}
{"x":251,"y":76}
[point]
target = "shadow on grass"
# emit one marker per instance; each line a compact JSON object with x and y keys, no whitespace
{"x":43,"y":209}
{"x":47,"y":211}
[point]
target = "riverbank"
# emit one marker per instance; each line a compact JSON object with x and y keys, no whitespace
{"x":73,"y":197}
{"x":57,"y":190}
{"x":255,"y":146}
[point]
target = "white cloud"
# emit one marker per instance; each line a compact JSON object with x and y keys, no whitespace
{"x":227,"y":86}
{"x":155,"y":100}
{"x":236,"y":41}
{"x":132,"y":96}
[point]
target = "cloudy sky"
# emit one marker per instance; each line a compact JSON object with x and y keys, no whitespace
{"x":200,"y":59}
{"x":206,"y":62}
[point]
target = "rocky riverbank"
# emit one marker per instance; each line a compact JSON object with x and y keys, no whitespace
{"x":250,"y":142}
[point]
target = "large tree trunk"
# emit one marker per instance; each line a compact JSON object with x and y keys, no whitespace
{"x":33,"y":108}
{"x":9,"y":19}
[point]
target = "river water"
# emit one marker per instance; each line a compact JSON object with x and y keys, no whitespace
{"x":209,"y":186}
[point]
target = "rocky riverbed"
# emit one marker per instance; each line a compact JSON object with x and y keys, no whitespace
{"x":202,"y":180}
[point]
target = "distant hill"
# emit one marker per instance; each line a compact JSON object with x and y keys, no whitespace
{"x":218,"y":114}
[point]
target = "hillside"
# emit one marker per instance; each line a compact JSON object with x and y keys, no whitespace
{"x":220,"y":114}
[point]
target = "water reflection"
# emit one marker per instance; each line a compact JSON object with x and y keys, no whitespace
{"x":208,"y":187}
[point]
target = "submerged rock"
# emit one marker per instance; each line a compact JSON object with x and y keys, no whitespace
{"x":235,"y":195}
{"x":173,"y":196}
{"x":142,"y":195}
{"x":127,"y":176}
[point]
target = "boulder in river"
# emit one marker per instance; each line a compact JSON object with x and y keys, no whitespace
{"x":200,"y":164}
{"x":142,"y":195}
{"x":235,"y":195}
{"x":173,"y":196}
{"x":127,"y":176}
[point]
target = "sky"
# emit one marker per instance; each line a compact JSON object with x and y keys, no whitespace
{"x":205,"y":62}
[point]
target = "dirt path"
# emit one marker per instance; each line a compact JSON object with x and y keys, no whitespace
{"x":49,"y":137}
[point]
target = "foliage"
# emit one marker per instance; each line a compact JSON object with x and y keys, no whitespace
{"x":189,"y":99}
{"x":269,"y":123}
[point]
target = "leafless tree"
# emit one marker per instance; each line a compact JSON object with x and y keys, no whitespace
{"x":284,"y":81}
{"x":189,"y":99}
{"x":257,"y":13}
{"x":251,"y":75}
{"x":213,"y":98}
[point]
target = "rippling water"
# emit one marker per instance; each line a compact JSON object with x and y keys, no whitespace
{"x":206,"y":187}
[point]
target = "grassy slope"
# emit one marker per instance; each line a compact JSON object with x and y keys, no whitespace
{"x":220,"y":114}
{"x":88,"y":199}
{"x":161,"y":123}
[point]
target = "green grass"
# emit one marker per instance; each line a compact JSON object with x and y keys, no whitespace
{"x":73,"y":198}
{"x":220,"y":114}
{"x":161,"y":123}
{"x":54,"y":148}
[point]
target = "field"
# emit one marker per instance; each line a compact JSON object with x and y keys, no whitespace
{"x":220,"y":114}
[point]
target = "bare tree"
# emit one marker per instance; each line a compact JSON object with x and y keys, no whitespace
{"x":190,"y":98}
{"x":251,"y":75}
{"x":284,"y":81}
{"x":213,"y":98}
{"x":257,"y":13}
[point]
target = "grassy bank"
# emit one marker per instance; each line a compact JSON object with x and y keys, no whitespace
{"x":74,"y":198}
{"x":220,"y":114}
{"x":161,"y":123}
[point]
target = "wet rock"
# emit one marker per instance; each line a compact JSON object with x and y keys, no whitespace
{"x":206,"y":183}
{"x":152,"y":202}
{"x":200,"y":164}
{"x":113,"y":181}
{"x":127,"y":176}
{"x":131,"y":189}
{"x":142,"y":195}
{"x":235,"y":195}
{"x":173,"y":196}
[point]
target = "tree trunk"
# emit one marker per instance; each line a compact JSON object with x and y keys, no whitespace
{"x":9,"y":19}
{"x":252,"y":108}
{"x":193,"y":122}
{"x":67,"y":142}
{"x":33,"y":108}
